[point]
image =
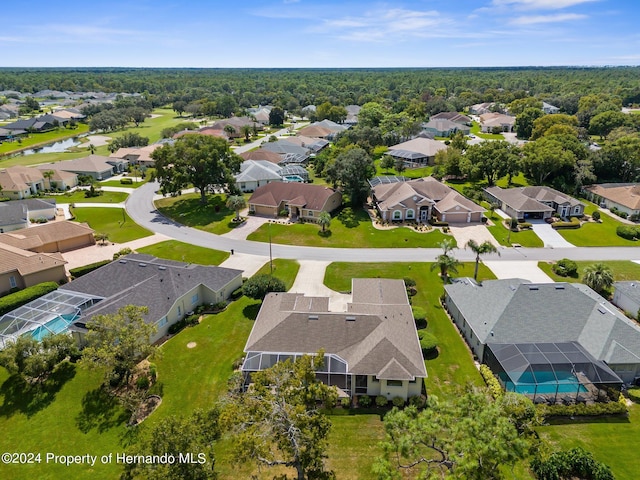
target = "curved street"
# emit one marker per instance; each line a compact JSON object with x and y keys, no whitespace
{"x":140,"y":207}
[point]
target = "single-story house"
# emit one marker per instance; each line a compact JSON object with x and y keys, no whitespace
{"x":452,"y":116}
{"x":441,"y":127}
{"x":17,"y":214}
{"x":60,"y":179}
{"x":419,"y":150}
{"x":61,"y":236}
{"x":237,"y":123}
{"x":137,"y":155}
{"x":371,"y":349}
{"x":313,"y":144}
{"x":21,"y":268}
{"x":622,"y":196}
{"x":534,"y":202}
{"x":626,"y":296}
{"x":36,"y":124}
{"x":492,"y":120}
{"x":96,"y":166}
{"x":21,"y":182}
{"x":299,"y":200}
{"x":398,"y":199}
{"x":255,"y":173}
{"x":316,"y":131}
{"x":514,"y":311}
{"x":549,"y":109}
{"x":262,"y":154}
{"x":481,"y":108}
{"x":352,"y":114}
{"x":171,"y":290}
{"x":290,"y":152}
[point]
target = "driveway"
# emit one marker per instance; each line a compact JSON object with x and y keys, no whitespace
{"x":249,"y":264}
{"x":479,"y":233}
{"x":550,"y":237}
{"x":310,"y":281}
{"x":251,"y":224}
{"x":525,"y":269}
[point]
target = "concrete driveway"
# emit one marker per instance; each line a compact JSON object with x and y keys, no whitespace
{"x":479,"y":233}
{"x":310,"y":281}
{"x":550,"y":237}
{"x":526,"y":269}
{"x":249,"y":264}
{"x":251,"y":224}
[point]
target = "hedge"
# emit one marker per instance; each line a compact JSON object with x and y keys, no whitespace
{"x":582,"y":409}
{"x":437,"y":223}
{"x":574,"y":223}
{"x":628,"y":231}
{"x":492,"y":382}
{"x":126,"y":181}
{"x":17,"y":299}
{"x":80,"y":271}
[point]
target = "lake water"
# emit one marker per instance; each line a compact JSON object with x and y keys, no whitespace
{"x":57,"y":147}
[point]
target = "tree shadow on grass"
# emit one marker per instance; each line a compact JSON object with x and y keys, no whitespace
{"x":23,"y":397}
{"x":325,"y":234}
{"x":100,"y":410}
{"x":189,"y":211}
{"x":251,"y":311}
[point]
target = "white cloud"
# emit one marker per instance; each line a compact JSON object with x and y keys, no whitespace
{"x":558,"y":18}
{"x":541,"y":4}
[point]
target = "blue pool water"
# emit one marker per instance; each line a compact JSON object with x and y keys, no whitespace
{"x":545,"y":382}
{"x":57,"y":325}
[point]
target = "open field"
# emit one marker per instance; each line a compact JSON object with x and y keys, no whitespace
{"x":152,"y":127}
{"x":349,"y":229}
{"x":78,"y":197}
{"x":184,"y":252}
{"x":214,"y":217}
{"x":113,"y":221}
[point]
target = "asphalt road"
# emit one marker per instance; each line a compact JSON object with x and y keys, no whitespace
{"x":140,"y":207}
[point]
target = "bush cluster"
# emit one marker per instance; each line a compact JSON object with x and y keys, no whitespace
{"x":420,"y":316}
{"x":565,"y":268}
{"x":574,"y":223}
{"x":492,"y":382}
{"x":381,"y":401}
{"x":21,"y":297}
{"x":398,"y":402}
{"x":437,"y":223}
{"x":619,"y":213}
{"x":80,"y":271}
{"x":126,"y":181}
{"x":364,"y":401}
{"x":185,"y":322}
{"x":629,"y":232}
{"x":574,"y":463}
{"x":122,"y":252}
{"x":261,"y":284}
{"x":428,"y":343}
{"x":583,"y":410}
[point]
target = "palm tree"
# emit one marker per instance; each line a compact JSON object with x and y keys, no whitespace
{"x":324,"y":220}
{"x":229,"y":130}
{"x":48,"y":174}
{"x":598,"y":276}
{"x":246,"y":131}
{"x":237,"y":203}
{"x":445,"y":262}
{"x":481,"y":249}
{"x":101,"y":237}
{"x":92,"y":148}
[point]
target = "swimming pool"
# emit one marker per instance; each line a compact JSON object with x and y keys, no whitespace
{"x":544,"y":381}
{"x":56,"y":325}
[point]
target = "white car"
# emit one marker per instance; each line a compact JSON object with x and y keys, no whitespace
{"x":471,"y":135}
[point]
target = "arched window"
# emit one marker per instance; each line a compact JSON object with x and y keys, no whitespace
{"x":411,"y":214}
{"x":397,"y":215}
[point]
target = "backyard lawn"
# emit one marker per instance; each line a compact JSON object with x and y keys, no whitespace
{"x":113,"y":221}
{"x":349,"y":229}
{"x":78,"y":197}
{"x":214,"y":217}
{"x":592,"y":234}
{"x":286,"y":270}
{"x":185,"y":252}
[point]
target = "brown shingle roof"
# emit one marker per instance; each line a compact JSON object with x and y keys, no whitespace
{"x":262,"y":154}
{"x":312,"y":197}
{"x":25,"y":262}
{"x":315,"y":131}
{"x":37,"y":236}
{"x":626,"y":194}
{"x":15,"y":179}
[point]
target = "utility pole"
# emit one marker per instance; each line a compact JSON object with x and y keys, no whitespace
{"x":270,"y":253}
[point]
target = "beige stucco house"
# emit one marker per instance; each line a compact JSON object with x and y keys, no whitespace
{"x":21,"y":268}
{"x":61,"y":236}
{"x":299,"y":200}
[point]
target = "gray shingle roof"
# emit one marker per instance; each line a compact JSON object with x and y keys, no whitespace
{"x":630,"y":289}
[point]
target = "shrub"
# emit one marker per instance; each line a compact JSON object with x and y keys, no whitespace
{"x":259,"y":285}
{"x":153,"y":371}
{"x":21,"y":297}
{"x":80,"y":271}
{"x":236,"y":294}
{"x":583,"y":410}
{"x":574,"y":463}
{"x":629,"y":232}
{"x":185,"y":322}
{"x":525,"y":225}
{"x":574,"y":223}
{"x":417,"y":401}
{"x":596,"y":216}
{"x":565,"y":268}
{"x":420,"y":316}
{"x":126,"y":181}
{"x":122,"y":252}
{"x":398,"y":402}
{"x":428,"y":343}
{"x":143,"y":382}
{"x":492,"y":382}
{"x":409,"y":282}
{"x":364,"y":401}
{"x":381,"y":401}
{"x":345,"y":402}
{"x":437,"y":223}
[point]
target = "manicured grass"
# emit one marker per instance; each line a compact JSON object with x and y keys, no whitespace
{"x":138,"y":181}
{"x":113,"y":221}
{"x":600,"y":234}
{"x":213,"y":217}
{"x":78,"y":197}
{"x":526,"y":238}
{"x":42,"y":139}
{"x":286,"y":270}
{"x":475,"y":129}
{"x":614,"y":442}
{"x":349,"y":229}
{"x":185,"y":252}
{"x":623,"y":270}
{"x":453,"y":367}
{"x":152,"y":127}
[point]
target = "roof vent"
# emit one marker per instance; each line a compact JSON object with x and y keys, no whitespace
{"x":350,"y":318}
{"x":142,"y":264}
{"x":313,"y":317}
{"x":533,"y":287}
{"x":162,"y":267}
{"x":123,"y":261}
{"x":559,"y":287}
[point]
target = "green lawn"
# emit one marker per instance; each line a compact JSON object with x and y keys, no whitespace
{"x":214,"y":217}
{"x":185,"y":252}
{"x":453,"y":367}
{"x":138,"y":181}
{"x":113,"y":221}
{"x":475,"y":129}
{"x":526,"y":238}
{"x":152,"y":127}
{"x":78,"y":197}
{"x":286,"y":270}
{"x":349,"y":229}
{"x":592,"y":234}
{"x":42,"y":139}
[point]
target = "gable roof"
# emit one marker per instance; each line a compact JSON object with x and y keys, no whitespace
{"x":255,"y":170}
{"x":631,"y":289}
{"x":454,"y":202}
{"x":425,"y":147}
{"x":527,"y":199}
{"x":39,"y":235}
{"x":25,"y":262}
{"x":262,"y":154}
{"x":91,"y":163}
{"x":548,"y":194}
{"x":515,"y":311}
{"x":17,"y":179}
{"x":453,"y":116}
{"x":625,"y":194}
{"x":312,"y":197}
{"x":375,"y":336}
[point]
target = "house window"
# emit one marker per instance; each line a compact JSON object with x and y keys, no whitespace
{"x":194,"y":299}
{"x":12,"y":282}
{"x":394,"y":383}
{"x":163,"y":321}
{"x":411,"y":214}
{"x":311,"y":213}
{"x":397,"y":215}
{"x":179,"y":311}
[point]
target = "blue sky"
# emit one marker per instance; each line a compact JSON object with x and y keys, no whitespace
{"x":320,"y":33}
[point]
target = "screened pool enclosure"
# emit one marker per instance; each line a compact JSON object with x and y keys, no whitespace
{"x":49,"y":314}
{"x":552,"y":372}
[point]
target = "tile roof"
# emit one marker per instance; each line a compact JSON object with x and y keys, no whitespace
{"x":91,"y":163}
{"x":312,"y":197}
{"x":515,"y":311}
{"x":376,"y":337}
{"x":17,"y":179}
{"x":625,"y":194}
